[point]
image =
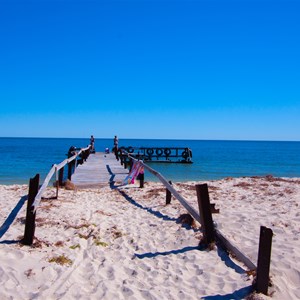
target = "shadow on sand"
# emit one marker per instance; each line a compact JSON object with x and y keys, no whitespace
{"x":238,"y":294}
{"x":10,"y":219}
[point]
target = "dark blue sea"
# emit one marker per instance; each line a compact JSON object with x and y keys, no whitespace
{"x":22,"y":158}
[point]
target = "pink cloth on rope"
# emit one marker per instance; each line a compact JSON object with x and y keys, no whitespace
{"x":136,"y":169}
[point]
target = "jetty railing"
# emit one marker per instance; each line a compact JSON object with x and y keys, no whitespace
{"x":212,"y":234}
{"x":55,"y":168}
{"x":35,"y":192}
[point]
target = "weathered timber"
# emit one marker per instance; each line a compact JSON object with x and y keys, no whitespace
{"x":141,"y":178}
{"x":30,"y":213}
{"x":61,"y":176}
{"x":183,"y":202}
{"x":264,"y":259}
{"x":53,"y":170}
{"x":168,"y":195}
{"x":206,"y":220}
{"x":213,"y":209}
{"x":99,"y":168}
{"x":219,"y":236}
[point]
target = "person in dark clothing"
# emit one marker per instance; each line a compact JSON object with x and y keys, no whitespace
{"x":92,"y":143}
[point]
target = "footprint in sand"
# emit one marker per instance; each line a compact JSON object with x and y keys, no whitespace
{"x":110,"y":273}
{"x":126,"y":292}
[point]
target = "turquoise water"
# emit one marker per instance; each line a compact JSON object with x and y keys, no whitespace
{"x":22,"y":158}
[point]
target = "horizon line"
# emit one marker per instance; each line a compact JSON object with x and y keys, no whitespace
{"x":170,"y":139}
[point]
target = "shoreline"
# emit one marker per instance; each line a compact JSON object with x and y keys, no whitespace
{"x":126,"y":243}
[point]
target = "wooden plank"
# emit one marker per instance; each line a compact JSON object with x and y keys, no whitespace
{"x":38,"y":197}
{"x":100,"y":168}
{"x":53,"y":170}
{"x":233,"y":249}
{"x":183,"y":202}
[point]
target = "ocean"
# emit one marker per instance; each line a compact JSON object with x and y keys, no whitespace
{"x":22,"y":158}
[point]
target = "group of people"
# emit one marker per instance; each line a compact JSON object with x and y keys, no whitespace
{"x":115,"y":148}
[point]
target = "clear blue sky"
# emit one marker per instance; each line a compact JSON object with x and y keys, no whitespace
{"x":203,"y":69}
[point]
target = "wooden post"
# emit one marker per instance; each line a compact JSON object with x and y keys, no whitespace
{"x":115,"y":150}
{"x":213,"y":209}
{"x":85,"y":154}
{"x":56,"y":181}
{"x":264,"y":259}
{"x":168,"y":195}
{"x":206,"y":220}
{"x":30,"y":215}
{"x":61,"y":176}
{"x":127,"y":162}
{"x":70,"y":167}
{"x":141,"y":178}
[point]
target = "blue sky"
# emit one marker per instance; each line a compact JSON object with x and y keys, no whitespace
{"x":150,"y":69}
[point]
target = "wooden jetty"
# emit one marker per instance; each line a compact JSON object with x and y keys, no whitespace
{"x":103,"y":168}
{"x":100,"y":168}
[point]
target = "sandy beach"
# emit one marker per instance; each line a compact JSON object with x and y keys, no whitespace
{"x":123,"y":242}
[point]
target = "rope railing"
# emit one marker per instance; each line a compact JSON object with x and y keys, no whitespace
{"x":55,"y":168}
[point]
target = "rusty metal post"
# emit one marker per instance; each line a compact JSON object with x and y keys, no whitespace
{"x":168,"y":195}
{"x":30,"y":214}
{"x":207,"y":225}
{"x":264,"y":259}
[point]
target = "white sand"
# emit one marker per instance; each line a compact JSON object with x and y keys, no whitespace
{"x":126,"y":244}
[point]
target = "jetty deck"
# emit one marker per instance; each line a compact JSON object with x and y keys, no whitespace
{"x":100,"y":168}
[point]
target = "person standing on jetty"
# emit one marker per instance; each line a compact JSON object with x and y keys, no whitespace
{"x":92,"y":143}
{"x":116,"y":143}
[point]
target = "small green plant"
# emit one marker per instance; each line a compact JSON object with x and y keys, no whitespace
{"x":83,"y":236}
{"x":99,"y":243}
{"x":75,"y":246}
{"x":86,"y":236}
{"x":61,"y":260}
